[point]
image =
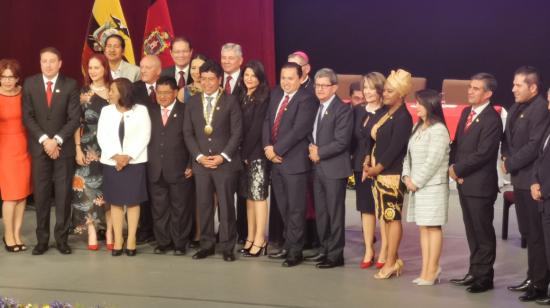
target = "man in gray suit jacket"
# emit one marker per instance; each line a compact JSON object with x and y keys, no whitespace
{"x":329,"y":152}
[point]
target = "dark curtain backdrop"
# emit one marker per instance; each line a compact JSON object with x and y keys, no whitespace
{"x":29,"y":25}
{"x":436,"y":39}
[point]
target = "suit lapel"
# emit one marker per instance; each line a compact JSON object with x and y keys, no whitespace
{"x":56,"y":93}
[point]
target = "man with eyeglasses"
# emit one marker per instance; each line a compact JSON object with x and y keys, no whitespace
{"x":329,"y":152}
{"x":181,"y":52}
{"x":114,"y":50}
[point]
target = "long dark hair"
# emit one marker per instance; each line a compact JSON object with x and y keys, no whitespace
{"x":262,"y":91}
{"x":431,"y":101}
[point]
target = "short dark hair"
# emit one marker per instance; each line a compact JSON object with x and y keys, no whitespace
{"x":489,"y":81}
{"x":213,"y":67}
{"x":167,"y":81}
{"x":181,"y":39}
{"x":431,"y":101}
{"x":118,"y":37}
{"x":124,"y":87}
{"x":294,"y":66}
{"x":12,"y":65}
{"x":51,"y":49}
{"x":354,"y":86}
{"x":532,"y":76}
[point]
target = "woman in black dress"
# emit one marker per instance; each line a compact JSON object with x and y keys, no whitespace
{"x":254,"y":178}
{"x":89,"y":208}
{"x":365,"y":115}
{"x":391,"y":134}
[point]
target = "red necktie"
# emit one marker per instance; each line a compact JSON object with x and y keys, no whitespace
{"x":228,"y":85}
{"x":153,"y":95}
{"x":49,"y":93}
{"x":469,"y":120}
{"x":181,"y":81}
{"x":278,"y":117}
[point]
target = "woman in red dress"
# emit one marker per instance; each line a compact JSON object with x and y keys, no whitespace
{"x":15,"y":163}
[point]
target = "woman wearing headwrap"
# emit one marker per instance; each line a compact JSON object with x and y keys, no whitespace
{"x":391,"y":134}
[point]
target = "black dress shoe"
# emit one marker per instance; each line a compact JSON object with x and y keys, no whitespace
{"x":280,"y":255}
{"x":466,"y":281}
{"x":291,"y":262}
{"x":179,"y":252}
{"x":160,"y":250}
{"x":522,"y":287}
{"x":544,"y":301}
{"x":116,"y":252}
{"x":131,"y":252}
{"x":532,"y":294}
{"x":203,"y":253}
{"x":330,"y":264}
{"x":228,"y":256}
{"x":64,"y":248}
{"x":194,"y":244}
{"x":479,"y":287}
{"x":40,"y":249}
{"x":319,"y":258}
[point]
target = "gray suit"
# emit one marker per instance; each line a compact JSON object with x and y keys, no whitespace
{"x":333,"y":137}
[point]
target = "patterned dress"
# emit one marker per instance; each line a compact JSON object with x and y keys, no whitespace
{"x":87,"y":200}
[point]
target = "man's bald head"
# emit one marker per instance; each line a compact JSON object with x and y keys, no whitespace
{"x":150,"y":67}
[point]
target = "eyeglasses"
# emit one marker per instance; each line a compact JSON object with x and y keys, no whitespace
{"x":8,"y":78}
{"x":322,"y":86}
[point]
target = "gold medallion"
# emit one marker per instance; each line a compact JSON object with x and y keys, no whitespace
{"x":208,"y":130}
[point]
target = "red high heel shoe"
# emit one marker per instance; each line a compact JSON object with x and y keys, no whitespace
{"x":93,"y":247}
{"x":110,"y":247}
{"x":380,"y":265}
{"x":367,"y":264}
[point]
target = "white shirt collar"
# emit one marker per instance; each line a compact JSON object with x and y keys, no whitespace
{"x":233,"y":75}
{"x":148,"y":86}
{"x":480,"y":108}
{"x":53,"y":80}
{"x":185,"y":69}
{"x":328,"y":102}
{"x":170,"y":107}
{"x":213,"y":95}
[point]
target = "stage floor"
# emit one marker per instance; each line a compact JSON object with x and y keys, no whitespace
{"x":149,"y":280}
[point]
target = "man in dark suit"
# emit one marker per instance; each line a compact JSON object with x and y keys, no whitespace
{"x":329,"y":152}
{"x":144,"y":93}
{"x":231,"y":59}
{"x":288,"y":123}
{"x":182,"y":53}
{"x":213,"y":133}
{"x":540,"y":192}
{"x":474,"y":154}
{"x":51,"y":114}
{"x":525,"y":126}
{"x":168,"y":171}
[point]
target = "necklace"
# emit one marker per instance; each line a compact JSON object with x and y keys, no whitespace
{"x":98,"y":89}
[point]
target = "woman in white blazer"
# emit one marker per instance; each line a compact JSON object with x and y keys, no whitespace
{"x":123,"y":132}
{"x":425,"y":173}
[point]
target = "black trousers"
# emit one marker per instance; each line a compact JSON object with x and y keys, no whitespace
{"x":276,"y":225}
{"x":48,"y":174}
{"x":478,"y":214}
{"x":242,"y":222}
{"x":172,"y":209}
{"x":529,"y":212}
{"x":330,"y":213}
{"x":290,"y":192}
{"x":224,"y":184}
{"x":545,"y":220}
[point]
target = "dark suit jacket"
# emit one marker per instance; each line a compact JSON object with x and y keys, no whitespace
{"x":141,"y":96}
{"x":541,"y":169}
{"x":253,"y":121}
{"x":474,"y":153}
{"x":392,"y":139}
{"x":239,"y":86}
{"x":167,"y":152}
{"x":171,"y":72}
{"x":362,"y":142}
{"x":308,"y":86}
{"x":226,"y":137}
{"x":333,"y":140}
{"x":62,"y":119}
{"x":524,"y":131}
{"x":295,"y":127}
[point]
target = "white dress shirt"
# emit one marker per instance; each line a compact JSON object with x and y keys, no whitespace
{"x":149,"y":85}
{"x":213,"y":96}
{"x":185,"y":71}
{"x":290,"y":96}
{"x":170,"y":107}
{"x":137,"y":132}
{"x":479,"y":109}
{"x":233,"y":81}
{"x":53,"y":81}
{"x":323,"y":108}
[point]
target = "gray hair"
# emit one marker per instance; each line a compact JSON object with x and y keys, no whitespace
{"x":328,"y":73}
{"x":236,"y":48}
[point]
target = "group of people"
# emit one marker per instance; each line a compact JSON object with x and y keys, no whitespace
{"x":166,"y":149}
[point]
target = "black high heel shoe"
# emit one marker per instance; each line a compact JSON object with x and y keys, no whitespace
{"x":116,"y":252}
{"x":13,"y":248}
{"x":131,"y":252}
{"x":245,"y":250}
{"x":261,"y":252}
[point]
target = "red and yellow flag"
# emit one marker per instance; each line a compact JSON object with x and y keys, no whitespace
{"x":159,"y":32}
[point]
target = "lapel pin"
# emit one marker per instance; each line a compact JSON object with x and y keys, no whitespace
{"x":175,"y":115}
{"x":56,"y":90}
{"x":477,"y":120}
{"x":285,"y":109}
{"x":521,"y":116}
{"x":326,"y":112}
{"x":217,"y":108}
